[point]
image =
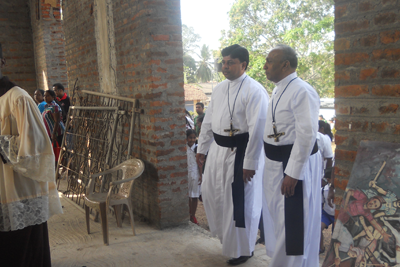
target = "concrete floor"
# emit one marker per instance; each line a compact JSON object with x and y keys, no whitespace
{"x":188,"y":245}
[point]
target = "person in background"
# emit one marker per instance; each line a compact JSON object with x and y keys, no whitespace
{"x":328,"y":131}
{"x":189,"y":120}
{"x":194,"y":175}
{"x":321,"y":118}
{"x":62,"y":98}
{"x":199,"y":122}
{"x":325,"y":148}
{"x":328,"y":212}
{"x":39,"y":99}
{"x":52,"y":118}
{"x":200,"y":112}
{"x":28,"y":195}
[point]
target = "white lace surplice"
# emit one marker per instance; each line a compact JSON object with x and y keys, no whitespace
{"x":28,"y":194}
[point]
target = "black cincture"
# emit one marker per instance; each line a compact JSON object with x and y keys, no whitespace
{"x":240,"y":142}
{"x":294,"y":210}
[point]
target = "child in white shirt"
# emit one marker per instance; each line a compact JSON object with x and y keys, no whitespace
{"x":194,"y":176}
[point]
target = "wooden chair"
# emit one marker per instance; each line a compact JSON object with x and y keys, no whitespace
{"x":131,"y":169}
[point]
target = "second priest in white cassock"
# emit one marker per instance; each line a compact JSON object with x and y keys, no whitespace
{"x":292,"y":204}
{"x":232,"y":132}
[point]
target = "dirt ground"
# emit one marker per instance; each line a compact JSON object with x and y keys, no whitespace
{"x":201,"y":216}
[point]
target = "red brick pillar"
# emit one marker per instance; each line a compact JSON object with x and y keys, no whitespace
{"x":148,"y":49}
{"x":367,"y":79}
{"x":48,"y":36}
{"x":17,"y":43}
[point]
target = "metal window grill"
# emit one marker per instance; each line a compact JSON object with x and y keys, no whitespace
{"x":99,"y":135}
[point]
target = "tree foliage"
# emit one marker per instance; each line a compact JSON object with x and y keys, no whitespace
{"x":204,"y":70}
{"x":190,"y":44}
{"x":305,"y":25}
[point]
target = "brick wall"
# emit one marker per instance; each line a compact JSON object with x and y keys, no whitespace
{"x":149,"y":67}
{"x":367,"y":79}
{"x":16,"y":39}
{"x":48,"y":36}
{"x":148,"y":47}
{"x":80,"y":44}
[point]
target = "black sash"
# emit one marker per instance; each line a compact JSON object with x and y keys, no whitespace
{"x":240,"y":142}
{"x":294,"y":213}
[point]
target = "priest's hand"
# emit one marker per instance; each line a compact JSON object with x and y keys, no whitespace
{"x":288,"y":186}
{"x":248,"y":174}
{"x":200,"y":159}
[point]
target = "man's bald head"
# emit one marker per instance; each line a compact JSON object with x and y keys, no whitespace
{"x":288,"y":54}
{"x":280,"y":62}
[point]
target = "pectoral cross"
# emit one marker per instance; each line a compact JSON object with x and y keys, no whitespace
{"x":276,"y":135}
{"x":231,"y":132}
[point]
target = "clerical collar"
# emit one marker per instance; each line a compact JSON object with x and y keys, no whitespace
{"x":282,"y":83}
{"x":238,"y":80}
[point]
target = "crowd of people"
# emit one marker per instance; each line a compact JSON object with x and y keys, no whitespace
{"x":249,"y":154}
{"x":261,"y":156}
{"x":54,"y":106}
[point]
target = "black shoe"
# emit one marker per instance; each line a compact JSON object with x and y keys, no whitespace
{"x":240,"y":260}
{"x":260,"y":241}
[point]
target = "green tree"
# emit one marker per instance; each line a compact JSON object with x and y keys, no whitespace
{"x":189,"y":44}
{"x":305,"y":25}
{"x":204,"y":70}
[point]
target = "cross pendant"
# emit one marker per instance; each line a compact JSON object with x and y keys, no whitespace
{"x":276,"y":135}
{"x":231,"y":132}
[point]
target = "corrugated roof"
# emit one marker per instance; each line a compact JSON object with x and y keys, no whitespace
{"x":194,"y":93}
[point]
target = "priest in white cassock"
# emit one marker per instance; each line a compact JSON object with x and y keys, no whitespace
{"x":28,"y":195}
{"x":292,"y":185}
{"x":232,"y":132}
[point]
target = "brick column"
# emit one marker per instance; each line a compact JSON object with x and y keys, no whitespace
{"x":17,"y":43}
{"x":48,"y":36}
{"x":367,"y":79}
{"x":149,"y":67}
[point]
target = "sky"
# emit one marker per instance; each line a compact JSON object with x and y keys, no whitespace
{"x":208,"y":18}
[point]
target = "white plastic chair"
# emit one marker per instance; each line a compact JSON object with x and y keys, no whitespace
{"x":131,"y":169}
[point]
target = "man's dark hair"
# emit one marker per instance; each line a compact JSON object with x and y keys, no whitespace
{"x":321,"y":124}
{"x":41,"y":91}
{"x":52,"y":93}
{"x":5,"y":85}
{"x":59,"y":86}
{"x":237,"y":51}
{"x":200,"y":104}
{"x":328,"y":131}
{"x":190,"y":132}
{"x":288,"y":54}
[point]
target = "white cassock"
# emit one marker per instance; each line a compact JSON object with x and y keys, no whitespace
{"x":28,"y":194}
{"x":249,"y":115}
{"x":297,"y":115}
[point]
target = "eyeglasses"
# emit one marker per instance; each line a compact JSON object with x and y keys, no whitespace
{"x":230,"y":62}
